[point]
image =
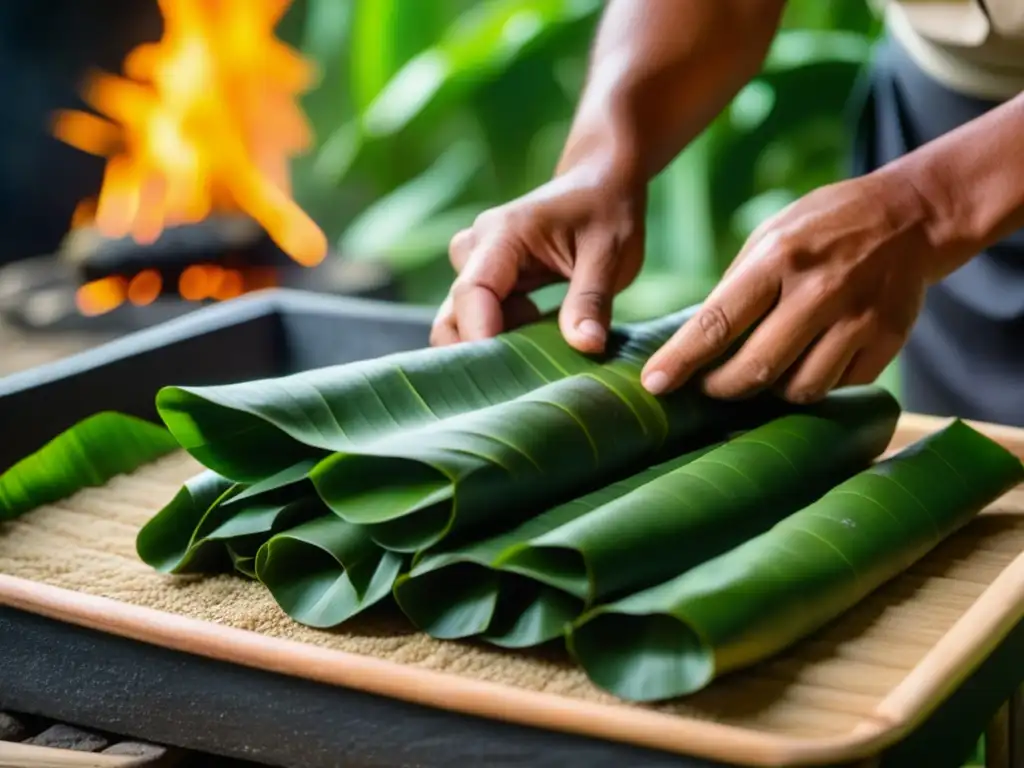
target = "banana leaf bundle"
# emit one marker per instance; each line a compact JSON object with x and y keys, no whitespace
{"x":323,"y":484}
{"x":518,"y":492}
{"x":421,"y":446}
{"x":522,"y":587}
{"x":765,"y":594}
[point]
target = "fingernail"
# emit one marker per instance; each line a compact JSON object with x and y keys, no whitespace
{"x":591,"y":329}
{"x":655,"y":382}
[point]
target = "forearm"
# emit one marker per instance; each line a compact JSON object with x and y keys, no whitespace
{"x":660,"y":71}
{"x":971,"y":184}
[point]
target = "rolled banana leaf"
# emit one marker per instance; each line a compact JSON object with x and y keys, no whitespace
{"x":326,"y":570}
{"x":710,"y":505}
{"x":456,"y":592}
{"x":250,"y":431}
{"x":764,"y":595}
{"x":520,"y":588}
{"x":457,"y":442}
{"x":88,"y":454}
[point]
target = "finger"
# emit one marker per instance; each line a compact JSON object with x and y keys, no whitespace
{"x":730,"y":309}
{"x":827,"y":360}
{"x":460,"y":247}
{"x":488,"y":278}
{"x":587,"y":308}
{"x":776,"y":344}
{"x":869,"y":363}
{"x":443,"y":331}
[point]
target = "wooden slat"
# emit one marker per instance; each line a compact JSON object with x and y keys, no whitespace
{"x":14,"y":755}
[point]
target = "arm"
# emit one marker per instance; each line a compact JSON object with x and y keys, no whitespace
{"x":660,"y":71}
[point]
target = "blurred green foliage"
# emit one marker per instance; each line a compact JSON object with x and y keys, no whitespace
{"x":430,"y":112}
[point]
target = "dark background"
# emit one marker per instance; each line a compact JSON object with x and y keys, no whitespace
{"x":45,"y":49}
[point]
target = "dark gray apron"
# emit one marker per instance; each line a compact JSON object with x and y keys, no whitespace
{"x":965,"y":356}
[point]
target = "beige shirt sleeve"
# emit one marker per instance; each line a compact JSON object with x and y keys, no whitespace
{"x":949,"y":22}
{"x":1007,"y":17}
{"x":970,"y":47}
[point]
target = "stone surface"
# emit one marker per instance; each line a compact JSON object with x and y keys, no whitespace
{"x":11,"y":728}
{"x":136,"y":749}
{"x":68,"y":737}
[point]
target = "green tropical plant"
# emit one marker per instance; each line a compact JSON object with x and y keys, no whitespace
{"x":430,"y":113}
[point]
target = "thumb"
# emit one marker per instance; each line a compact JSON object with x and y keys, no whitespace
{"x":587,"y":309}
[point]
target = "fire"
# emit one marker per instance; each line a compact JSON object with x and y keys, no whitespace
{"x":205,"y":121}
{"x":198,"y":282}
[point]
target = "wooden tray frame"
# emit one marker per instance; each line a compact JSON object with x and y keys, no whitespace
{"x":977,"y":633}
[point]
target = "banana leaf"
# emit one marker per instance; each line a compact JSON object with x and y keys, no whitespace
{"x":456,"y":592}
{"x":421,"y":445}
{"x":326,"y":570}
{"x":641,"y":531}
{"x":712,"y":504}
{"x":252,"y":430}
{"x":88,"y":454}
{"x":320,"y":569}
{"x":777,"y":588}
{"x":212,"y":521}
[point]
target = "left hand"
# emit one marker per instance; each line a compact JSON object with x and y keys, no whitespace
{"x":834,"y":283}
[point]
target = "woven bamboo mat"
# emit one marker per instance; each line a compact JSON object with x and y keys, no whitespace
{"x":855,"y":683}
{"x":20,"y":351}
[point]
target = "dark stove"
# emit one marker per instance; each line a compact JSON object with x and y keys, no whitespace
{"x":188,"y":266}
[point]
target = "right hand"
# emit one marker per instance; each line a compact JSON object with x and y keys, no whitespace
{"x":579,"y":227}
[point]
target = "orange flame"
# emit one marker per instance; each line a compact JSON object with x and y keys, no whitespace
{"x":198,"y":282}
{"x":101,"y":296}
{"x":206,"y":120}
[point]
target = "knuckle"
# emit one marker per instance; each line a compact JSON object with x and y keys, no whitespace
{"x":714,"y":325}
{"x":822,"y":289}
{"x":592,"y":301}
{"x":803,"y":394}
{"x":461,"y":288}
{"x":500,"y":222}
{"x":458,"y":248}
{"x":757,"y":373}
{"x":783,"y":250}
{"x":488,"y":219}
{"x":441,"y":330}
{"x":865,"y":327}
{"x":739,"y":378}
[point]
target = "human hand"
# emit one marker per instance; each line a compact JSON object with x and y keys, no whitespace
{"x":581,"y":226}
{"x":833,"y":283}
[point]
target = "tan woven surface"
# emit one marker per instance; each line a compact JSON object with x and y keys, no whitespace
{"x":823,"y":687}
{"x":19,"y":351}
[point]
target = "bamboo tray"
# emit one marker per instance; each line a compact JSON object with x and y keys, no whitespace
{"x":846,"y":693}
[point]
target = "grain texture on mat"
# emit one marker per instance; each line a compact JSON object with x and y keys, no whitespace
{"x":822,"y":687}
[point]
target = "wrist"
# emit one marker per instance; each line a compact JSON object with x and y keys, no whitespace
{"x":605,"y":147}
{"x":970,"y":186}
